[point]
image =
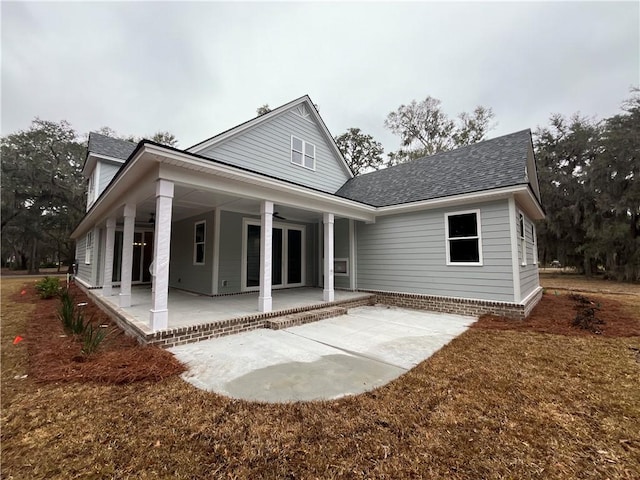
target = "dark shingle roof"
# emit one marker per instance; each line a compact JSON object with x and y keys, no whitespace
{"x":495,"y":163}
{"x":111,"y":147}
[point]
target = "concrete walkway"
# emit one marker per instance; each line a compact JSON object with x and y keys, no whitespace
{"x":346,"y":355}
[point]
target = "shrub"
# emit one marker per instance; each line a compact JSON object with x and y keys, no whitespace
{"x":48,"y":287}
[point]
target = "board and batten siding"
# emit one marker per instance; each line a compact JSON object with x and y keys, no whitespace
{"x":266,"y":149}
{"x":406,"y":253}
{"x":529,"y":279}
{"x":182,"y":271}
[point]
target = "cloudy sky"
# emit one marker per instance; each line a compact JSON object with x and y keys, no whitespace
{"x":196,"y":69}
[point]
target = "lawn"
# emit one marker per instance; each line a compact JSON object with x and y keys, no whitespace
{"x":494,"y":403}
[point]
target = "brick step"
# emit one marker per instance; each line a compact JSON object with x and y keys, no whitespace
{"x":301,"y":318}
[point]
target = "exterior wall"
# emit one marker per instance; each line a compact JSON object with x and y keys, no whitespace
{"x":406,"y":253}
{"x":266,"y":148}
{"x":84,"y":270}
{"x":529,"y":279}
{"x":182,"y":271}
{"x":230,"y":264}
{"x":341,"y":250}
{"x":107,"y":171}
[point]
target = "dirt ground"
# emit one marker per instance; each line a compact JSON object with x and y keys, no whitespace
{"x":492,"y":404}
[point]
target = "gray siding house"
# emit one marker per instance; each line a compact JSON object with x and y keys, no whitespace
{"x":271,"y":204}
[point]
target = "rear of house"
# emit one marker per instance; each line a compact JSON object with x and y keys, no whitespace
{"x":271,"y":204}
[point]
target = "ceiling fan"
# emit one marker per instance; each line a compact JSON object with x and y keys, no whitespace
{"x":277,"y":215}
{"x":152,"y":218}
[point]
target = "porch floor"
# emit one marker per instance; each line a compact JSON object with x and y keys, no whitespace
{"x":188,"y":309}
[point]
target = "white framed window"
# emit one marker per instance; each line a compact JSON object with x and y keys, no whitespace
{"x":523,"y":240}
{"x":534,"y":244}
{"x":463,"y":243}
{"x":303,"y":153}
{"x":199,"y":240}
{"x":341,"y":267}
{"x":90,"y":191}
{"x":88,"y":252}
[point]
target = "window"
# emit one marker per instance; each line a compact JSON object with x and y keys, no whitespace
{"x":341,"y":267}
{"x":198,"y":243}
{"x":463,"y":245}
{"x":88,"y":248}
{"x":523,"y":241}
{"x":90,"y":191}
{"x":303,"y":153}
{"x":534,"y":244}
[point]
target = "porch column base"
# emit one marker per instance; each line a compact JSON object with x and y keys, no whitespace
{"x":107,"y":291}
{"x":159,"y":319}
{"x":125,"y":300}
{"x":264,"y":304}
{"x":328,"y":295}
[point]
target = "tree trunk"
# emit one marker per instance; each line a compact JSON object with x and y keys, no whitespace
{"x":587,"y":266}
{"x":33,"y":261}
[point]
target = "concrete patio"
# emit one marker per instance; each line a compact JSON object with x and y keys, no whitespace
{"x":331,"y":358}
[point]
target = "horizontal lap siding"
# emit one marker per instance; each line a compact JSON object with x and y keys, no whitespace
{"x":341,"y":250}
{"x":182,"y":271}
{"x":406,"y":253}
{"x":84,"y":270}
{"x":230,"y":262}
{"x":267,"y":149}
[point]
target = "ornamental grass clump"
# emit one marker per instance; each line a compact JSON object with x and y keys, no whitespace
{"x":74,"y":323}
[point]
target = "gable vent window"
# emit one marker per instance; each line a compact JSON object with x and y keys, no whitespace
{"x":463,"y":245}
{"x":303,"y":153}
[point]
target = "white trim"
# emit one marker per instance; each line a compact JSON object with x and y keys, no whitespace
{"x":341,"y":274}
{"x":216,"y":252}
{"x":196,"y":243}
{"x":477,"y":237}
{"x":513,"y":233}
{"x":528,"y":298}
{"x":303,"y":153}
{"x":285,"y":227}
{"x":94,"y":157}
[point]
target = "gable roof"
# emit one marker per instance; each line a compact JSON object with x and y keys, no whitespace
{"x":109,"y":146}
{"x":200,"y":146}
{"x":499,"y":162}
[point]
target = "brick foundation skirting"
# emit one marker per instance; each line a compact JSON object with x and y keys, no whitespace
{"x":459,"y":306}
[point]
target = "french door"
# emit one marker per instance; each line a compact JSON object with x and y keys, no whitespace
{"x":142,"y":257}
{"x":287,"y":255}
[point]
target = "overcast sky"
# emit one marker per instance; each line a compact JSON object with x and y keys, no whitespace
{"x":196,"y":69}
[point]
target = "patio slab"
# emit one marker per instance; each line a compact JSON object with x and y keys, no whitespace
{"x":346,"y":355}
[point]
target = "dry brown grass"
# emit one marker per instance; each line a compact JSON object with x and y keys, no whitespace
{"x":491,"y":404}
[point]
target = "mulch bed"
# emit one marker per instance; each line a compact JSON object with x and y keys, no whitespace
{"x":570,"y":314}
{"x":55,"y":356}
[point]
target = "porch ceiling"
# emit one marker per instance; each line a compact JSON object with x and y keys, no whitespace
{"x":189,"y":202}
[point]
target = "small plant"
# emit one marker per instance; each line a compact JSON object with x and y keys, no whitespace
{"x":92,"y":338}
{"x":66,"y":311}
{"x":78,"y":325}
{"x":48,"y":287}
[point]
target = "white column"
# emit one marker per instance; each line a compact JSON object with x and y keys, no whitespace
{"x":109,"y":243}
{"x":328,"y":293}
{"x":266,"y":242}
{"x":127,"y":254}
{"x":159,"y":318}
{"x":352,"y":254}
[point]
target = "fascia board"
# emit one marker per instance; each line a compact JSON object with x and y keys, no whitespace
{"x":486,"y":195}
